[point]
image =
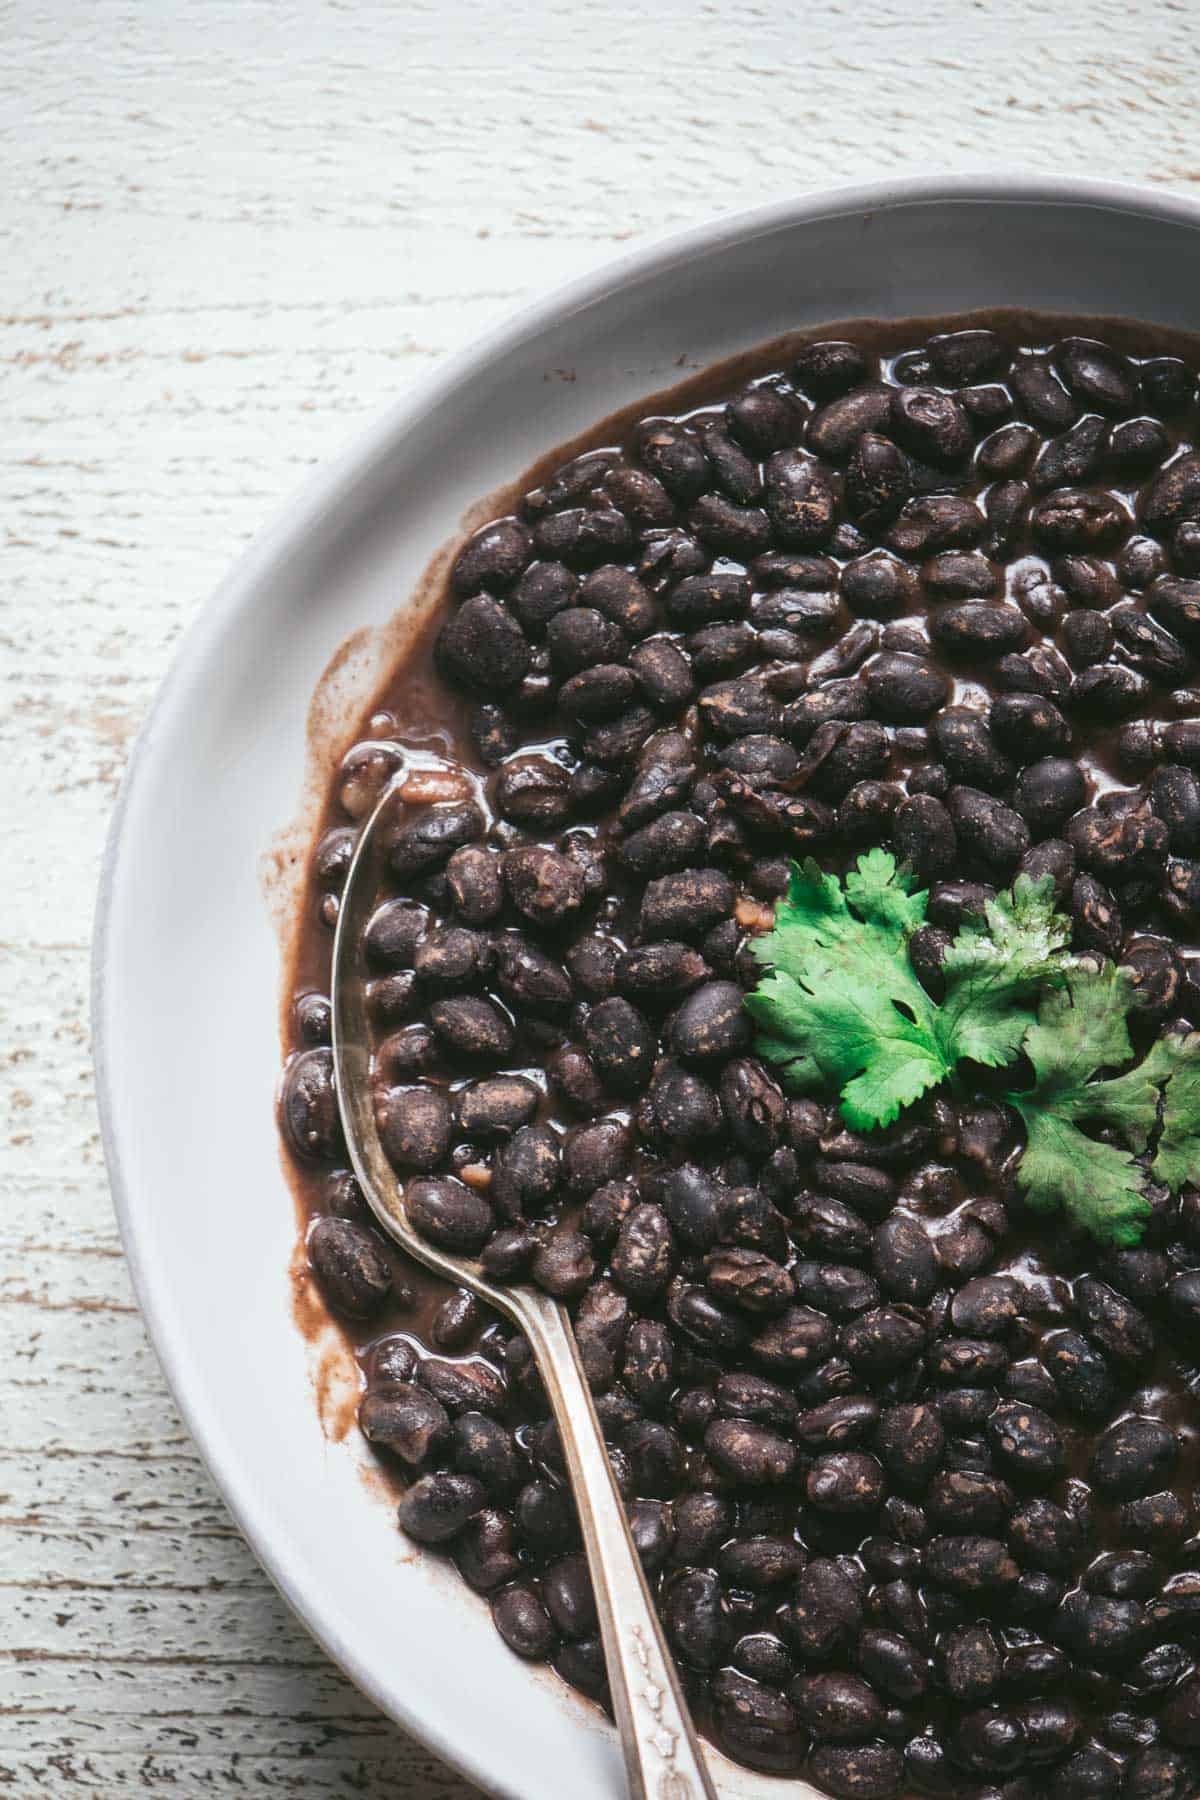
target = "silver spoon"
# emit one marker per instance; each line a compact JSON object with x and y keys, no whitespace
{"x":663,"y":1758}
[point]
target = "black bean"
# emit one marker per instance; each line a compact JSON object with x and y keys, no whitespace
{"x":987,"y":829}
{"x":482,"y":1447}
{"x":830,"y":367}
{"x":473,"y":1027}
{"x":685,"y":904}
{"x":835,"y":1288}
{"x":1133,"y":1457}
{"x":1097,"y":375}
{"x":748,"y":1279}
{"x":695,"y":1618}
{"x":962,"y":356}
{"x":404,"y":1419}
{"x":475,"y":884}
{"x":977,"y":628}
{"x":764,"y":416}
{"x":841,"y":1708}
{"x":493,"y":558}
{"x":450,"y":1214}
{"x":509,"y":1253}
{"x":1117,"y":1327}
{"x":824,"y":1613}
{"x":523,"y":1622}
{"x":904,"y":689}
{"x":796,"y":1340}
{"x":1007,"y":451}
{"x":835,"y":427}
{"x":350,"y":1264}
{"x":1028,"y":726}
{"x":308,"y":1105}
{"x":1159,"y":1773}
{"x":847,"y":1419}
{"x":848,"y":1483}
{"x":415,"y":1126}
{"x":877,"y":481}
{"x":584,"y":537}
{"x":482,"y":647}
{"x":986,"y":1307}
{"x":436,"y":1508}
{"x":882,"y":1341}
{"x":764,"y":1656}
{"x":544,"y":589}
{"x":644,"y":1256}
{"x":969,"y":1500}
{"x":858,"y":1771}
{"x":1072,"y":458}
{"x":1101,"y":1631}
{"x":988,"y":1741}
{"x":972,"y":1663}
{"x":752,"y":1455}
{"x":663,"y":673}
{"x":931,"y":423}
{"x":711,"y":1024}
{"x":525,"y":1173}
{"x":580,"y":638}
{"x":970,"y":1564}
{"x":968,"y":750}
{"x":1037,"y":671}
{"x":1156,"y":973}
{"x":903,"y":1260}
{"x":563,"y":1265}
{"x":1026,"y":1443}
{"x":485,"y":1554}
{"x":747,"y":1396}
{"x":1042,"y":395}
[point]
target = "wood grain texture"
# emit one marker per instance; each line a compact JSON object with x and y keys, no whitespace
{"x":229,"y":231}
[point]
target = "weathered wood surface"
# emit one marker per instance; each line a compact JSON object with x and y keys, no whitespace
{"x":229,"y":231}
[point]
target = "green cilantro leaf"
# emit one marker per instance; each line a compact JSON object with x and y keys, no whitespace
{"x":1177,"y":1159}
{"x":841,"y":1008}
{"x":993,"y":970}
{"x":842,"y":1005}
{"x":1098,"y":1184}
{"x":1080,"y":1030}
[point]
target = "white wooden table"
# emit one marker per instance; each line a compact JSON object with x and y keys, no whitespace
{"x":228,"y":231}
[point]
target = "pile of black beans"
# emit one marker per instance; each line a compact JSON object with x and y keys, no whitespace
{"x":913,"y":1474}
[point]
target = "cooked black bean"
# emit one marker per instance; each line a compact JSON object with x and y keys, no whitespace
{"x":563,"y":1265}
{"x":1026,"y":1443}
{"x":436,"y":1508}
{"x":473,"y":1027}
{"x":1133,"y":1457}
{"x":711,"y":1024}
{"x":350,"y":1265}
{"x":987,"y":828}
{"x":970,"y":1564}
{"x":858,"y":1771}
{"x":404,"y":1419}
{"x":308,"y":1105}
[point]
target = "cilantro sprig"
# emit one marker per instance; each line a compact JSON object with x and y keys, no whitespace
{"x":841,"y":1008}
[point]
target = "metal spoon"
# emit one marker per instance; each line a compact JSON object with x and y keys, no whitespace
{"x":663,"y":1758}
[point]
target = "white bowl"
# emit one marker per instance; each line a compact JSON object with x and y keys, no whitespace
{"x":187,"y":964}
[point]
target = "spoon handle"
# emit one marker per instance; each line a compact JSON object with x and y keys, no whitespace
{"x":663,"y":1758}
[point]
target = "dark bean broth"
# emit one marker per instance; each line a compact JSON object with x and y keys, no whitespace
{"x":914,"y":1473}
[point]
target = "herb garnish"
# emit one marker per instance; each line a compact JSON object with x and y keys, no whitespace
{"x":842,"y":1008}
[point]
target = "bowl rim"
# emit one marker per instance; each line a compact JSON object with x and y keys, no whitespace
{"x":322,"y":491}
